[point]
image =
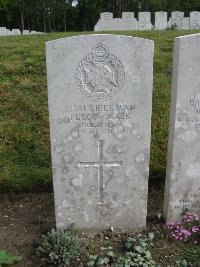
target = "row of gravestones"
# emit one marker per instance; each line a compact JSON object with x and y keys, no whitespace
{"x":128,"y":22}
{"x":100,"y":104}
{"x":7,"y":32}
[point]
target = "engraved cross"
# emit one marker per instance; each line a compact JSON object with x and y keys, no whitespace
{"x":100,"y":164}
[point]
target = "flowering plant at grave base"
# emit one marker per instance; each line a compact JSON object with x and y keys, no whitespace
{"x":187,"y":230}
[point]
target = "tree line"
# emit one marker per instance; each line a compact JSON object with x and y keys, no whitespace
{"x":78,"y":15}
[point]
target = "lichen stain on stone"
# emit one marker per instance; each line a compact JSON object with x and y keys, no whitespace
{"x":78,"y":148}
{"x":140,"y":158}
{"x":131,"y":173}
{"x":93,"y":188}
{"x":193,"y":170}
{"x":59,"y":149}
{"x":68,"y":158}
{"x":188,"y":136}
{"x":66,"y":120}
{"x":65,"y":170}
{"x":77,"y":182}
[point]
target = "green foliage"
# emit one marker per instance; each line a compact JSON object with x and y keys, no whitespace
{"x":7,"y":258}
{"x":136,"y":254}
{"x":138,"y":251}
{"x":191,"y":257}
{"x":106,"y":256}
{"x":59,"y":248}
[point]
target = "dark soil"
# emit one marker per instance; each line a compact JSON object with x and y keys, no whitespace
{"x":24,"y":217}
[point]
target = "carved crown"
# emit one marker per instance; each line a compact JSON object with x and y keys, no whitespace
{"x":100,"y":53}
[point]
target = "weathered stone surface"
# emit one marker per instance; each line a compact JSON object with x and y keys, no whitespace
{"x":106,"y":16}
{"x":127,"y":15}
{"x":15,"y":32}
{"x":105,"y":22}
{"x":195,"y":20}
{"x":183,"y":170}
{"x":8,"y":32}
{"x":129,"y":23}
{"x":160,"y":20}
{"x":2,"y":31}
{"x":26,"y":32}
{"x":185,"y":25}
{"x":100,"y":93}
{"x":169,"y":24}
{"x":177,"y":19}
{"x":144,"y":21}
{"x":116,"y":24}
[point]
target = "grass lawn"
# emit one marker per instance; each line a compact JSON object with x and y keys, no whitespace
{"x":25,"y":163}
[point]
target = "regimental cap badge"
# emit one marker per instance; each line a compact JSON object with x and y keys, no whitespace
{"x":100,"y":74}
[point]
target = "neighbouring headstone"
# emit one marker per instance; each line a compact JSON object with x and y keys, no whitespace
{"x":160,"y":20}
{"x":105,"y":22}
{"x":100,"y":98}
{"x":169,"y":24}
{"x":15,"y":32}
{"x":96,"y":27}
{"x":8,"y":32}
{"x":106,"y":16}
{"x":144,"y":21}
{"x":116,"y":24}
{"x":26,"y":32}
{"x":127,"y":15}
{"x":182,"y":190}
{"x":2,"y":31}
{"x":195,"y":20}
{"x":129,"y":23}
{"x":185,"y":24}
{"x":177,"y":19}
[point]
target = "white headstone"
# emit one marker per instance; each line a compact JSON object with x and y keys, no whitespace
{"x":160,"y":20}
{"x":96,"y":28}
{"x":116,"y":24}
{"x":182,"y":188}
{"x":8,"y":32}
{"x":129,"y":23}
{"x":105,"y":22}
{"x":185,"y":24}
{"x":2,"y":31}
{"x":106,"y":16}
{"x":169,"y":24}
{"x":26,"y":32}
{"x":177,"y":19}
{"x":100,"y":98}
{"x":195,"y":20}
{"x":15,"y":32}
{"x":144,"y":21}
{"x":127,"y":15}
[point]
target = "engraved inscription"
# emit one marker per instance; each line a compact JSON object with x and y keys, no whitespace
{"x":97,"y":118}
{"x":100,"y":164}
{"x":189,"y":201}
{"x":194,"y":119}
{"x":100,"y":75}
